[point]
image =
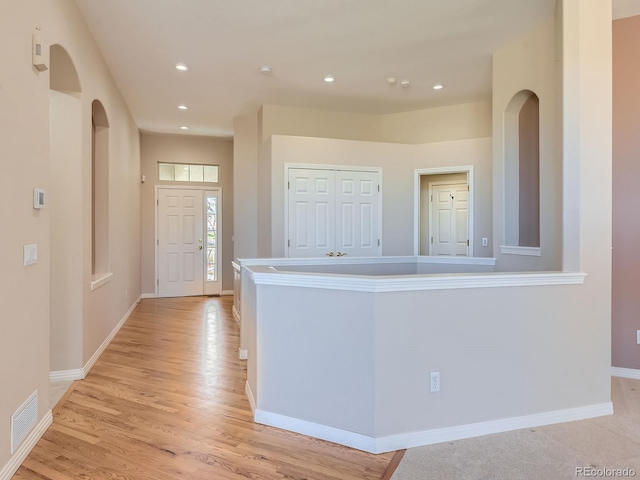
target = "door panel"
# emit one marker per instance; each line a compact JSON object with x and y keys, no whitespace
{"x":449,"y":220}
{"x":357,"y":207}
{"x":180,"y":235}
{"x":311,"y":212}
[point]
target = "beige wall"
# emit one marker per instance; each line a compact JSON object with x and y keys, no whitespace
{"x":442,"y":124}
{"x":528,"y":63}
{"x":626,"y":196}
{"x":24,"y":135}
{"x":245,"y":191}
{"x":160,"y":148}
{"x":398,"y":163}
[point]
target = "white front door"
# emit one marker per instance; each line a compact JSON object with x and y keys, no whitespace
{"x":357,"y":220}
{"x":311,"y":212}
{"x":449,"y":219}
{"x":180,"y":242}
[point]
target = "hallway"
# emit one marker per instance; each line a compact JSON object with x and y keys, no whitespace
{"x":166,"y":401}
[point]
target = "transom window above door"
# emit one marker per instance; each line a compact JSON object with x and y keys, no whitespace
{"x":181,"y":172}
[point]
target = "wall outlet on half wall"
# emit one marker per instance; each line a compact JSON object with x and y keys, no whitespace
{"x":435,"y":382}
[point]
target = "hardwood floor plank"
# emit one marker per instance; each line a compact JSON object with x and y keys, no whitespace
{"x":166,"y":401}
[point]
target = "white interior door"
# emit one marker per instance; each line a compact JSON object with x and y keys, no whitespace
{"x":449,"y":219}
{"x":180,"y":242}
{"x":357,"y":209}
{"x":311,"y":219}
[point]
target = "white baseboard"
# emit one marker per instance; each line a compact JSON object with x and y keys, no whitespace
{"x":426,"y":437}
{"x":625,"y":372}
{"x":316,"y":430}
{"x":252,"y":401}
{"x":236,"y":314}
{"x":226,"y":293}
{"x":25,"y":448}
{"x":243,"y":354}
{"x":148,"y":295}
{"x":94,"y":358}
{"x":66,"y":375}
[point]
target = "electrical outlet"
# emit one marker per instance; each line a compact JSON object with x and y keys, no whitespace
{"x":435,"y":382}
{"x":485,"y":242}
{"x":638,"y":337}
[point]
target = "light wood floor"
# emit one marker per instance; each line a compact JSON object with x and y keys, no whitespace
{"x":166,"y":401}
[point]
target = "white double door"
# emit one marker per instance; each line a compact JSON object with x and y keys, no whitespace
{"x":449,"y":219}
{"x":333,"y":212}
{"x":188,"y":246}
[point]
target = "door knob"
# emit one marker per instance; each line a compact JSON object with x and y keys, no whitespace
{"x":200,"y":247}
{"x":340,"y":254}
{"x":330,"y":254}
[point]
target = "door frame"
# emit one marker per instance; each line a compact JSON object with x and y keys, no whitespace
{"x":314,"y":166}
{"x":417,"y":173}
{"x":156,"y":242}
{"x":431,"y":227}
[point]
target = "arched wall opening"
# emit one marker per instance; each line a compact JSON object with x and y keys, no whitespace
{"x":65,"y":203}
{"x":522,"y":171}
{"x":99,"y":191}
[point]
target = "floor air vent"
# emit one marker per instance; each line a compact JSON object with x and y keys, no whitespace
{"x":23,"y":421}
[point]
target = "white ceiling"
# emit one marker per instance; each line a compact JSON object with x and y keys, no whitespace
{"x":360,"y":42}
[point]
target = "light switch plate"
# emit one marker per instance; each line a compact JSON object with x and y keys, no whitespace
{"x":30,"y":254}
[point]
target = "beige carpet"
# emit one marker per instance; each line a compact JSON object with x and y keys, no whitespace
{"x":552,"y":452}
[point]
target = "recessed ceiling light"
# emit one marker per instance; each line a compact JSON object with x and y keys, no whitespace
{"x":265,"y":69}
{"x":438,"y":86}
{"x":183,"y":107}
{"x":182,"y":67}
{"x":184,"y":127}
{"x":405,"y":83}
{"x":329,"y":79}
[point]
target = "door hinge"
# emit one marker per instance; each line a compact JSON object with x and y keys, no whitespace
{"x":378,"y":188}
{"x":467,"y":243}
{"x":158,"y":282}
{"x":432,"y":198}
{"x":378,"y":242}
{"x":158,"y":242}
{"x":158,"y":202}
{"x":288,"y":185}
{"x":468,"y":189}
{"x":431,"y":240}
{"x":288,"y":243}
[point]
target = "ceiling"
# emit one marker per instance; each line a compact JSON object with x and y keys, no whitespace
{"x":360,"y":42}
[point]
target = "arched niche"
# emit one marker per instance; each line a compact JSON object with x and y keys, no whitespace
{"x":63,"y":76}
{"x":99,"y":190}
{"x":522,"y":170}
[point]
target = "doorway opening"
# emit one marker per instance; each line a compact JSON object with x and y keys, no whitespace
{"x":443,"y":211}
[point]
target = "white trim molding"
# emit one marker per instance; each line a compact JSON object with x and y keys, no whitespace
{"x":249,"y":394}
{"x":66,"y":375}
{"x":236,"y":314}
{"x":625,"y":372}
{"x":426,"y":437}
{"x":26,"y":446}
{"x":490,"y":261}
{"x":525,"y":251}
{"x":148,"y":295}
{"x":407,"y":283}
{"x":103,"y":280}
{"x":94,"y":358}
{"x":226,"y":293}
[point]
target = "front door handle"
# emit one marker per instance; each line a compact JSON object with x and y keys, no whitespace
{"x":340,"y":254}
{"x":330,"y":254}
{"x":200,"y":247}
